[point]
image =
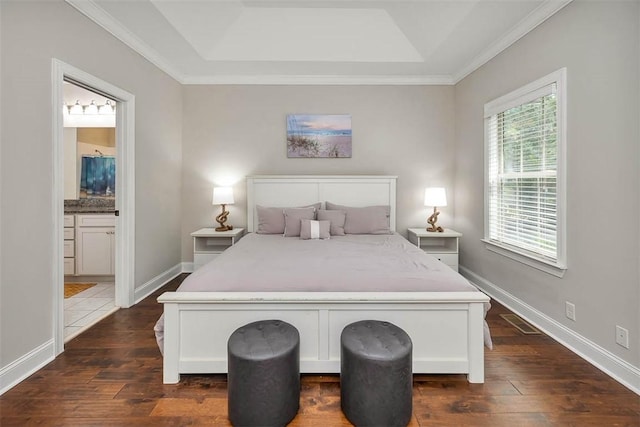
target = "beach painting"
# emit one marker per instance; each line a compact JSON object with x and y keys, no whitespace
{"x":319,"y":136}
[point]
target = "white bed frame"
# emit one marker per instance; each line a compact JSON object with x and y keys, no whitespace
{"x":446,"y":327}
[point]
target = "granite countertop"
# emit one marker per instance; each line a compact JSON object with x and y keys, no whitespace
{"x":82,"y":206}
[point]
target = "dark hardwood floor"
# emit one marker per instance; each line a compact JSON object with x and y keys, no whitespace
{"x":111,"y":375}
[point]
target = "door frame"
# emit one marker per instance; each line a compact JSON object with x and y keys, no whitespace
{"x":125,"y":191}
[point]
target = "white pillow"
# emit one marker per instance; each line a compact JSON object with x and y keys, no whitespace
{"x":310,"y":229}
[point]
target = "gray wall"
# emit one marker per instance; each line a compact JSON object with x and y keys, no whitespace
{"x":598,"y":42}
{"x":234,"y":131}
{"x":32,"y":33}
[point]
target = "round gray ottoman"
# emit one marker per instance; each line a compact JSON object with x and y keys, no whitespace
{"x":376,"y":380}
{"x":264,"y":374}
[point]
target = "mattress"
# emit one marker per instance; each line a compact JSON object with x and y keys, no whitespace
{"x":351,"y":263}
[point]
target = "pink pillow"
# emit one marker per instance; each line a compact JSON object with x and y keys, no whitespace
{"x":292,"y":217}
{"x":336,"y":218}
{"x":310,"y":229}
{"x":365,"y":220}
{"x":271,"y":219}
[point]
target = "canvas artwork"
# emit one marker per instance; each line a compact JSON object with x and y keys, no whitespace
{"x":326,"y":136}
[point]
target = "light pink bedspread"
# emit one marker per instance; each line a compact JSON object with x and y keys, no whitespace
{"x":352,"y":263}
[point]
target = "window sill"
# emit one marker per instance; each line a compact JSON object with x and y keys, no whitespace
{"x":549,"y":267}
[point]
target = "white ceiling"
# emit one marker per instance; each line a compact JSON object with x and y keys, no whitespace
{"x":319,"y":42}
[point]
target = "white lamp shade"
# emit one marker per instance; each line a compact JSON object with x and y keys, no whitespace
{"x":222,"y":196}
{"x":435,"y":196}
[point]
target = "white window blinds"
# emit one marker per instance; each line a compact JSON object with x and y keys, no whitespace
{"x":522,"y":144}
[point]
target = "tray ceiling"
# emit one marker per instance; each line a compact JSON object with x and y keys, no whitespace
{"x":318,"y":42}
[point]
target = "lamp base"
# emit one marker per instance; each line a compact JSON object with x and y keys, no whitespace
{"x":221,"y":219}
{"x":432,"y":221}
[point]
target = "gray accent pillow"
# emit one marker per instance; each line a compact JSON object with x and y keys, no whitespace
{"x":336,"y":218}
{"x":365,"y":220}
{"x":310,"y":229}
{"x":292,"y":217}
{"x":271,"y":219}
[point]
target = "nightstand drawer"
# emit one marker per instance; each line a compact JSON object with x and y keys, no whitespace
{"x":201,"y":259}
{"x":449,"y":259}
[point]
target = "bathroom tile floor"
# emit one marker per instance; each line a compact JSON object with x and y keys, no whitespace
{"x":86,"y":308}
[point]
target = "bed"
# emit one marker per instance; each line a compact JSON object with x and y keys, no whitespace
{"x":442,"y":313}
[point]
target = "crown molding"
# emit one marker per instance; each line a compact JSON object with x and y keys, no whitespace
{"x":317,"y":80}
{"x":527,"y":24}
{"x":93,"y":11}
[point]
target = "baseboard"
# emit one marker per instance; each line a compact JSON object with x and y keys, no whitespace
{"x":620,"y":370}
{"x":26,"y":365}
{"x":187,"y":267}
{"x":141,"y":292}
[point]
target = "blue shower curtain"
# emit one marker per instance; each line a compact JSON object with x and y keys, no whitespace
{"x":98,"y":176}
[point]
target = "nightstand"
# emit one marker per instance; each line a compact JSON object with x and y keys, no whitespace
{"x":443,"y":246}
{"x":209,"y":243}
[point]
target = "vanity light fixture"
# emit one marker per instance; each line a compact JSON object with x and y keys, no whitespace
{"x":91,"y":109}
{"x":76,"y":108}
{"x":223,"y":196}
{"x":435,"y":196}
{"x":107,"y":108}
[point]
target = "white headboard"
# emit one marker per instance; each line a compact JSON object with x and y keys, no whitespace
{"x":302,"y":190}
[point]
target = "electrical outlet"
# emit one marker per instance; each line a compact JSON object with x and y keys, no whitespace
{"x":622,"y":336}
{"x":570,"y":310}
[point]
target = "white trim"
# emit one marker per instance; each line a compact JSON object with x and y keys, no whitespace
{"x":157,"y":282}
{"x":57,"y":201}
{"x":187,"y":267}
{"x":125,"y":191}
{"x":620,"y":370}
{"x":531,"y":260}
{"x":559,"y":77}
{"x":97,"y":14}
{"x":531,"y":21}
{"x":21,"y":368}
{"x":440,"y":80}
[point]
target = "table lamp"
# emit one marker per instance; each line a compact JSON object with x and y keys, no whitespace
{"x":434,"y":196}
{"x":223,"y":196}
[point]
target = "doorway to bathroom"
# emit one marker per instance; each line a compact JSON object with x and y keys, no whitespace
{"x":93,"y":188}
{"x":90,"y":158}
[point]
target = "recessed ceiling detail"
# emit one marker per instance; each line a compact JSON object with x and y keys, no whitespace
{"x":294,"y":34}
{"x":319,"y":42}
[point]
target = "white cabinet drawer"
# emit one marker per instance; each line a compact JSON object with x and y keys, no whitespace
{"x":69,"y":233}
{"x":69,"y":266}
{"x":449,"y":259}
{"x":96,"y":220}
{"x":69,"y":248}
{"x":201,"y":259}
{"x":68,"y":221}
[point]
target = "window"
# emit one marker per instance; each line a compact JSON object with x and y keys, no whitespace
{"x":524,"y":174}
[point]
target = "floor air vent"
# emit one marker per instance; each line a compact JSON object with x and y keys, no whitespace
{"x":521,"y":324}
